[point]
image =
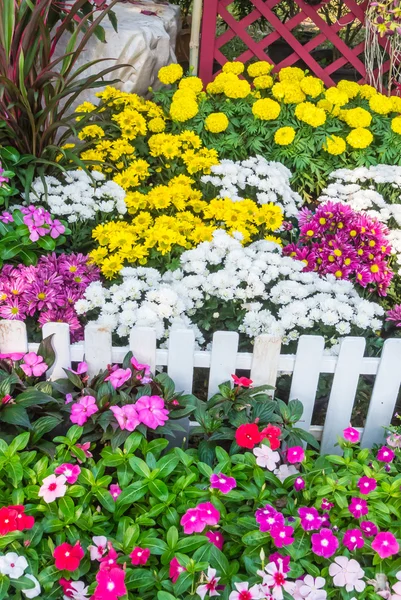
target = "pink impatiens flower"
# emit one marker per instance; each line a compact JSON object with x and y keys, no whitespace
{"x":209,"y":588}
{"x":367,"y":485}
{"x":244,"y":592}
{"x":351,"y":435}
{"x":83,"y":409}
{"x":118,"y":377}
{"x":33,"y":365}
{"x":139,"y":556}
{"x":151,"y":411}
{"x":358,"y":508}
{"x":347,"y":573}
{"x":115,"y":490}
{"x":99,"y":547}
{"x":53,"y":487}
{"x":324,"y":543}
{"x":70,"y":472}
{"x":127,"y":416}
{"x":215,"y":538}
{"x":175,"y":570}
{"x":385,"y":544}
{"x":296,"y":454}
{"x":266,"y":457}
{"x":222,"y":482}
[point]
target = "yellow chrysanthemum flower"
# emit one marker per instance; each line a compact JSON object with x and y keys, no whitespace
{"x":91,"y":131}
{"x":157,"y":125}
{"x":195,"y":84}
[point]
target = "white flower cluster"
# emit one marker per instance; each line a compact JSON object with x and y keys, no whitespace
{"x":257,"y":179}
{"x":277,"y":296}
{"x":79,"y":196}
{"x":358,"y":188}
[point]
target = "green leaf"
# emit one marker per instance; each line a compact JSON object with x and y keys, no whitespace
{"x":133,"y":442}
{"x":167,"y":465}
{"x":105,"y":499}
{"x":159,"y":489}
{"x":67,"y":509}
{"x":18,"y":443}
{"x":139,"y":466}
{"x":190,"y":543}
{"x":172,"y":537}
{"x":183,"y":583}
{"x":44,"y":425}
{"x":15,"y":415}
{"x":165,"y":596}
{"x":4,"y":585}
{"x":132,"y":493}
{"x":46,"y":350}
{"x":33,"y":397}
{"x":75,"y":433}
{"x":47,"y":243}
{"x":139,"y":578}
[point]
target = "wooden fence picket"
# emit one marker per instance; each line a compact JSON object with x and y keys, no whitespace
{"x":223,"y":359}
{"x":265,"y":359}
{"x":13,"y":336}
{"x":142,"y":344}
{"x":98,"y":350}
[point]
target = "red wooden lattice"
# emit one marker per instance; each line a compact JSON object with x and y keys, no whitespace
{"x":211,"y":45}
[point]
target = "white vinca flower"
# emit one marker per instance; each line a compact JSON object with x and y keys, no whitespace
{"x":13,"y":565}
{"x":268,"y":290}
{"x":256,"y":179}
{"x":79,"y":196}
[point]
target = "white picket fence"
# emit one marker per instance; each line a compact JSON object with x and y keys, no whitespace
{"x":265,"y":364}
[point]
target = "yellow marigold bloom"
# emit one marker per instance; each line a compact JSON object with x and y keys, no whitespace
{"x":185,"y":94}
{"x":183,"y":110}
{"x":291,"y":74}
{"x":358,"y":117}
{"x":263,"y":82}
{"x":329,"y":107}
{"x":334,"y":145}
{"x":367,"y":91}
{"x":381,"y":104}
{"x":239,"y":88}
{"x":266,"y":109}
{"x":170,"y":74}
{"x":91,"y":131}
{"x":310,"y":114}
{"x":349,"y":87}
{"x":284,"y":136}
{"x":288,"y":91}
{"x":217,"y":86}
{"x":216,"y":122}
{"x":336,"y":96}
{"x":312,"y":86}
{"x":396,"y":103}
{"x":360,"y":138}
{"x":234,"y":67}
{"x":195,"y":84}
{"x":157,"y":125}
{"x":259,"y":68}
{"x":396,"y":125}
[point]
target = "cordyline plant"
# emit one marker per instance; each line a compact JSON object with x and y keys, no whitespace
{"x":38,"y":86}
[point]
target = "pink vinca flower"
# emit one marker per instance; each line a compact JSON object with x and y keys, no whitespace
{"x":127,"y":416}
{"x":53,"y":487}
{"x":210,"y":514}
{"x":282,"y":535}
{"x":151,"y":411}
{"x":244,"y":592}
{"x":115,"y":490}
{"x":351,"y":435}
{"x":353,"y":539}
{"x":396,"y":589}
{"x":209,"y":588}
{"x":324,"y":543}
{"x":83,"y":409}
{"x":110,"y":584}
{"x":275,"y":581}
{"x":118,"y":377}
{"x":358,"y":508}
{"x":70,"y":472}
{"x":175,"y":570}
{"x":347,"y":573}
{"x":385,"y":455}
{"x":266,"y":457}
{"x":312,"y":589}
{"x":215,"y":538}
{"x":310,"y":518}
{"x":222,"y":482}
{"x":268,"y":517}
{"x":299,"y":484}
{"x":33,"y":365}
{"x":385,"y":544}
{"x":369,"y":529}
{"x":99,"y":547}
{"x":296,"y":454}
{"x":367,"y":485}
{"x":139,"y":556}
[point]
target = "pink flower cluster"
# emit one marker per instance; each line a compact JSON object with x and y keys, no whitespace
{"x":39,"y":222}
{"x":196,"y":519}
{"x":147,"y":410}
{"x":48,"y":291}
{"x":335,"y":239}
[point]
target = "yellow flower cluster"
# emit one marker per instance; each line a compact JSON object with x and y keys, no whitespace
{"x":357,"y":117}
{"x":216,"y":122}
{"x":310,"y":114}
{"x":335,"y":145}
{"x":121,"y":242}
{"x":259,"y":68}
{"x":170,"y":74}
{"x":284,"y":136}
{"x":266,"y":109}
{"x":360,"y":138}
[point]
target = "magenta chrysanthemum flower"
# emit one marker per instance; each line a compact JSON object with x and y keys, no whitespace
{"x":351,"y":435}
{"x":385,"y":455}
{"x":324,"y":543}
{"x":222,"y":482}
{"x":369,"y":529}
{"x":385,"y":544}
{"x":310,"y":518}
{"x":367,"y":485}
{"x":353,"y":539}
{"x":394,"y":315}
{"x":282,"y":535}
{"x":358,"y":508}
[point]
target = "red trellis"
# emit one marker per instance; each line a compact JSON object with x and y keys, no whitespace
{"x":211,"y":45}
